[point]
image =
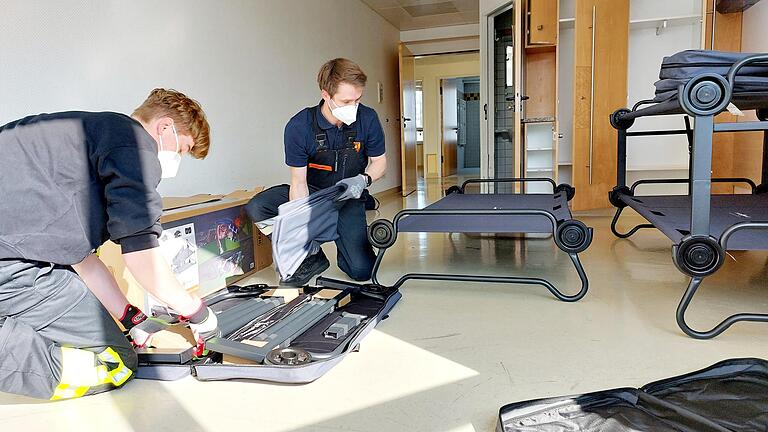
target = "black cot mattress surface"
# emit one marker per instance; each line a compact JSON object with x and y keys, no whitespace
{"x":556,"y":204}
{"x":729,"y":396}
{"x":672,"y":215}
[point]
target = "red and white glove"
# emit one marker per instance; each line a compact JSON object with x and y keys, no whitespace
{"x":204,"y":326}
{"x":140,"y":327}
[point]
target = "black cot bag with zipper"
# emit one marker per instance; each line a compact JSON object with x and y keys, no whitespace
{"x":676,"y":70}
{"x":731,"y":395}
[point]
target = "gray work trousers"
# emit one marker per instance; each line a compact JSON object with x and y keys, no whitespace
{"x":43,"y":307}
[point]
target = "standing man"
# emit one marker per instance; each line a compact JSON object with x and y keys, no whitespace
{"x":71,"y":181}
{"x":338,"y":141}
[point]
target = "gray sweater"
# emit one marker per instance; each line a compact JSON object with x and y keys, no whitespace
{"x":70,"y":181}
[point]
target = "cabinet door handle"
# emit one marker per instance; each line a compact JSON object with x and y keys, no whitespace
{"x":592,"y":95}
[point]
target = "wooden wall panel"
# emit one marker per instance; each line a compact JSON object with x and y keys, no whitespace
{"x":609,"y":79}
{"x":540,"y":80}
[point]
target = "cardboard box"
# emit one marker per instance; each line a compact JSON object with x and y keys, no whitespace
{"x":208,"y":241}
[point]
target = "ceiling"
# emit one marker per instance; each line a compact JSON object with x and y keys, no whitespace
{"x":420,"y":14}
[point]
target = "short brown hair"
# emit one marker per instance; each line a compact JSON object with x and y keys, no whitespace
{"x":337,"y":71}
{"x":186,"y":113}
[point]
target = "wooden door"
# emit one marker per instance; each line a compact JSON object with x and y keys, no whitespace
{"x":408,"y":120}
{"x":600,"y":87}
{"x":450,"y":126}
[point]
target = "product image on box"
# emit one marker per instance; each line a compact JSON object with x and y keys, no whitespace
{"x":222,"y":249}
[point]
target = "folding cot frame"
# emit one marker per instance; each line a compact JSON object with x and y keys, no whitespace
{"x":697,"y":253}
{"x":570,"y":235}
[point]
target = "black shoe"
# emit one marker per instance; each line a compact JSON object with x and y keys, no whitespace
{"x":312,"y":266}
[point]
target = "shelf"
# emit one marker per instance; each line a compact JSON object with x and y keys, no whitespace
{"x":542,"y":169}
{"x":540,"y":48}
{"x":658,"y":22}
{"x":565,"y":163}
{"x":567,"y":23}
{"x":537,"y":120}
{"x":658,"y":168}
{"x":540,"y":149}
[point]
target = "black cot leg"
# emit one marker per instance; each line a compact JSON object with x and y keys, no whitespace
{"x":500,"y":279}
{"x":701,"y":175}
{"x":377,"y":265}
{"x":693,"y":285}
{"x":631,"y":232}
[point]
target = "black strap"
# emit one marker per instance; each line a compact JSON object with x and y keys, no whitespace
{"x":320,"y":136}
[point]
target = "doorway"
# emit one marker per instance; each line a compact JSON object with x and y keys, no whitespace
{"x":460,"y":114}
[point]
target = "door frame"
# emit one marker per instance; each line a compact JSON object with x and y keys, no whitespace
{"x":487,"y":99}
{"x":406,"y":189}
{"x":440,"y":123}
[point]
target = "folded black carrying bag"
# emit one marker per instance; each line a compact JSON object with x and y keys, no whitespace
{"x":731,"y":395}
{"x":677,"y":69}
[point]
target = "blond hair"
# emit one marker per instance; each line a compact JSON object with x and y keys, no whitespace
{"x":337,"y":71}
{"x":186,"y":113}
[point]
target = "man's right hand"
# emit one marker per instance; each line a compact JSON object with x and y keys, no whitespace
{"x":204,"y":326}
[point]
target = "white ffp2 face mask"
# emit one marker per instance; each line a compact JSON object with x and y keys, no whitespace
{"x":347,"y":113}
{"x":169,"y":160}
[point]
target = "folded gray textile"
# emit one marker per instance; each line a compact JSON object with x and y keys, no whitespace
{"x":301,"y":226}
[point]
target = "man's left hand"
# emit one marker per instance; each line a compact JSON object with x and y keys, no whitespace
{"x":354,"y":187}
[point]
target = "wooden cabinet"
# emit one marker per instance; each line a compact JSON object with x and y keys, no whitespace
{"x":542,"y":22}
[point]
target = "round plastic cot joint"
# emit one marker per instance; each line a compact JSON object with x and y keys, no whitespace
{"x":619,"y":122}
{"x":698,"y":256}
{"x":705,"y":94}
{"x":573,"y":236}
{"x":569,"y":190}
{"x":614,"y":196}
{"x":381,"y":233}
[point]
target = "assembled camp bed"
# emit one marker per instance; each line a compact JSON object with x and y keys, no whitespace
{"x":701,"y":225}
{"x":463,"y":212}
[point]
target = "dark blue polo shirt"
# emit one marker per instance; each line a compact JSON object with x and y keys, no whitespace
{"x":300,"y":143}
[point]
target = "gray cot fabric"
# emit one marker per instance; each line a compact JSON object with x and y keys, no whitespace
{"x":557,"y":204}
{"x":301,"y":226}
{"x":672,"y":216}
{"x":42,"y":308}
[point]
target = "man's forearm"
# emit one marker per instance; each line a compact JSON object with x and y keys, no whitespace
{"x":152,"y":272}
{"x":376,"y":168}
{"x":102,"y":284}
{"x":298,"y":190}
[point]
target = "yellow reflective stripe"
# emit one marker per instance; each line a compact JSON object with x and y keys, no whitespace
{"x":119,"y":375}
{"x":65,"y":391}
{"x":109,"y":355}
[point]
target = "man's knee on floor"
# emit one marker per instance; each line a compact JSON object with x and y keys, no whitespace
{"x":128,"y":356}
{"x":359,"y":274}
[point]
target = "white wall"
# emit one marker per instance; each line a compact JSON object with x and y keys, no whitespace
{"x":251,"y":64}
{"x":646,"y":52}
{"x":754,"y":34}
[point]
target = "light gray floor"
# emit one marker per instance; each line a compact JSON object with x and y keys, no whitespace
{"x":451,"y":354}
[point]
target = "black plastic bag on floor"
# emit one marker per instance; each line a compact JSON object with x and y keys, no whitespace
{"x":729,"y":396}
